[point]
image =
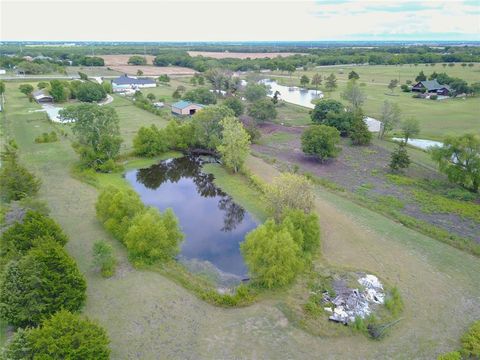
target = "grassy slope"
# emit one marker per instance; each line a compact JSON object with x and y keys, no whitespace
{"x":148,"y":316}
{"x":437,"y":118}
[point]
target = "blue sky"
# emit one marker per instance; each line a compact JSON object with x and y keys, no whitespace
{"x":248,"y":20}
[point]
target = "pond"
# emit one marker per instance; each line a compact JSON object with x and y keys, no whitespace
{"x":421,"y":143}
{"x":294,"y":95}
{"x":213,"y":224}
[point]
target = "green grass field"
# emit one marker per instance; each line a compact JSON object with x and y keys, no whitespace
{"x":148,"y":316}
{"x":437,"y":118}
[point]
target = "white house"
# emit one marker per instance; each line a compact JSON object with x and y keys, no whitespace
{"x":124,"y":83}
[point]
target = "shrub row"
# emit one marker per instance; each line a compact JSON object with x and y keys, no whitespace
{"x":47,"y":138}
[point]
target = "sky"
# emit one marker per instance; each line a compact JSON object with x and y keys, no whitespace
{"x":228,"y":20}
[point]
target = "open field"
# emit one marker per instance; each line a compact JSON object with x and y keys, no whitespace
{"x":150,"y":70}
{"x":148,"y":316}
{"x":118,"y":59}
{"x":239,"y":55}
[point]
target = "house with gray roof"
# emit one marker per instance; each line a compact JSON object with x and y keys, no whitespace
{"x":41,"y":96}
{"x":125,"y":83}
{"x":432,"y":87}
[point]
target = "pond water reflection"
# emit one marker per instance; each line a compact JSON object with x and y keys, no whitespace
{"x":214,"y":225}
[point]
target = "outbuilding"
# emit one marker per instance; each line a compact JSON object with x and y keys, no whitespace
{"x":186,"y":108}
{"x":41,"y":96}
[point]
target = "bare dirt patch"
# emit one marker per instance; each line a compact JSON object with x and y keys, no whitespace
{"x":153,"y":70}
{"x":114,"y":60}
{"x":239,"y":55}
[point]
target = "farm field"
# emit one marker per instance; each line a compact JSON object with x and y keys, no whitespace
{"x":122,"y":59}
{"x":153,"y":70}
{"x":239,"y":55}
{"x":147,"y":314}
{"x":437,"y":118}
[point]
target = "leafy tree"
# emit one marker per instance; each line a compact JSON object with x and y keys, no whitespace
{"x":137,"y":60}
{"x":262,"y":110}
{"x":207,"y":125}
{"x":289,"y":191}
{"x":97,"y":133}
{"x":57,"y":91}
{"x":341,"y":121}
{"x":410,"y":128}
{"x":359,"y":133}
{"x":460,"y":86}
{"x":41,"y":283}
{"x":153,"y":236}
{"x":16,"y":182}
{"x":399,"y":158}
{"x":392,"y":85}
{"x":107,"y":86}
{"x":323,"y":107}
{"x":459,"y":159}
{"x":103,"y":258}
{"x":164,"y":78}
{"x":139,"y":72}
{"x":304,"y":80}
{"x":176,"y":94}
{"x":272,"y":256}
{"x":151,"y":96}
{"x":235,"y":104}
{"x":179,"y":136}
{"x":235,"y":144}
{"x":149,"y":141}
{"x":471,"y":341}
{"x":352,"y":75}
{"x":316,"y":81}
{"x":63,"y":336}
{"x":255,"y":92}
{"x":389,"y":117}
{"x":331,"y":82}
{"x":90,"y":92}
{"x":116,"y":209}
{"x":26,"y":89}
{"x":321,"y":141}
{"x":31,"y":231}
{"x":275,"y":97}
{"x":83,"y":76}
{"x":420,"y":77}
{"x":304,"y":227}
{"x":201,"y":95}
{"x":354,"y":95}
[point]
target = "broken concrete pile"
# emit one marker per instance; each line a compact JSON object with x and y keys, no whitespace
{"x":351,"y":303}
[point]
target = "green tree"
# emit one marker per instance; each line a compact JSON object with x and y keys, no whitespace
{"x":151,"y":96}
{"x":305,"y":229}
{"x":164,"y":78}
{"x":97,"y":133}
{"x":139,"y":72}
{"x":235,"y":144}
{"x":392,"y":85}
{"x":83,"y":76}
{"x":323,"y":107}
{"x":321,"y":141}
{"x":153,"y":236}
{"x":410,"y":128}
{"x":41,"y":283}
{"x":103,"y":258}
{"x":288,"y":191}
{"x":331,"y":82}
{"x":272,"y":256}
{"x":459,"y":159}
{"x":262,"y":110}
{"x":150,"y":141}
{"x":63,"y":336}
{"x":107,"y":86}
{"x":359,"y":133}
{"x":352,"y":75}
{"x":207,"y":125}
{"x":254,"y":92}
{"x":399,"y":158}
{"x":341,"y":121}
{"x":354,"y":95}
{"x":26,"y":89}
{"x":316,"y":81}
{"x":471,"y":341}
{"x":90,"y":92}
{"x":57,"y":91}
{"x":420,"y":77}
{"x":304,"y":80}
{"x":116,"y":209}
{"x":137,"y":60}
{"x":235,"y":104}
{"x":200,"y":95}
{"x":389,"y":117}
{"x":16,"y":182}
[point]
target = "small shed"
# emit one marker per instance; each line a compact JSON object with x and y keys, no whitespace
{"x":186,"y":108}
{"x":41,"y":96}
{"x":3,"y":71}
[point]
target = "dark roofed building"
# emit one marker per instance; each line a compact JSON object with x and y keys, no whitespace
{"x":41,"y":96}
{"x":432,"y":86}
{"x":125,"y":83}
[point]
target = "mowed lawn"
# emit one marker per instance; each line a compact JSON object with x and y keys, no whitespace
{"x":148,"y":316}
{"x":437,"y":118}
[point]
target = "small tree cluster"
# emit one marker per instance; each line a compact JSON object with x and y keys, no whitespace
{"x":399,"y":158}
{"x":235,"y":144}
{"x":47,"y":138}
{"x":262,"y":110}
{"x":90,"y":92}
{"x":321,"y":141}
{"x":201,"y":95}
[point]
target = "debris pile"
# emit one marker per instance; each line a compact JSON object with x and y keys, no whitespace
{"x":351,"y":303}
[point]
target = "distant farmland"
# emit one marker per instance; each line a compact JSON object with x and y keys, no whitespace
{"x":149,"y":70}
{"x":239,"y":55}
{"x":114,"y":60}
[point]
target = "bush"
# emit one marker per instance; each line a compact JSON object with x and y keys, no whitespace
{"x":137,"y":60}
{"x":321,"y":141}
{"x":453,"y":355}
{"x":63,"y":336}
{"x":116,"y":209}
{"x":359,"y":133}
{"x":262,"y":110}
{"x":471,"y":341}
{"x":201,"y":96}
{"x":305,"y":229}
{"x":153,"y":236}
{"x":149,"y":141}
{"x":399,"y":158}
{"x":32,"y":231}
{"x":235,"y":104}
{"x":394,"y":302}
{"x":255,"y":92}
{"x":103,"y":258}
{"x":272,"y":255}
{"x":90,"y":92}
{"x":47,"y":138}
{"x":433,"y":97}
{"x":405,"y":88}
{"x":324,"y":107}
{"x":41,"y":283}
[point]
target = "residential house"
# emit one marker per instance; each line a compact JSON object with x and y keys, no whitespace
{"x":125,"y":83}
{"x":41,"y":96}
{"x":432,"y":87}
{"x":186,"y":108}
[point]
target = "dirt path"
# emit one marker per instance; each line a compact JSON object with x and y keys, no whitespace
{"x":149,"y":317}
